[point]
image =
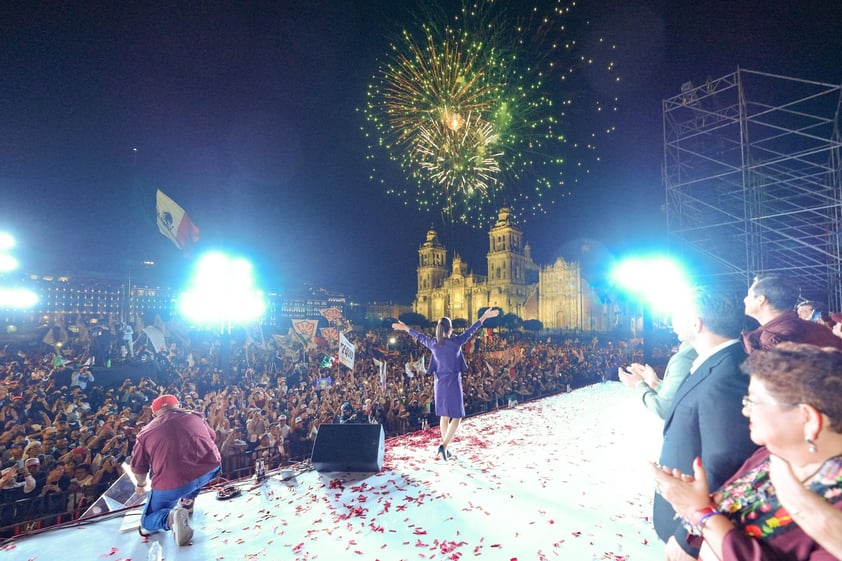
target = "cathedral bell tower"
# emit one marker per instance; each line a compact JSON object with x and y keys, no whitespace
{"x":506,"y":255}
{"x":510,"y":266}
{"x":432,"y":270}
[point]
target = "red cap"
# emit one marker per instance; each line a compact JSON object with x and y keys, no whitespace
{"x":162,"y":400}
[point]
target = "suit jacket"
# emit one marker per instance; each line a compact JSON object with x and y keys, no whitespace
{"x":678,"y":368}
{"x":705,"y":420}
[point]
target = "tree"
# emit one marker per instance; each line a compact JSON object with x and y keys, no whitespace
{"x":414,"y":319}
{"x":460,"y":323}
{"x":533,"y":325}
{"x":510,"y":321}
{"x":491,"y":322}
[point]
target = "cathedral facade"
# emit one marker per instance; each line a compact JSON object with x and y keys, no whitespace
{"x":556,"y":294}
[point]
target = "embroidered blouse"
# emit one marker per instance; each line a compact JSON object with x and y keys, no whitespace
{"x":764,"y":529}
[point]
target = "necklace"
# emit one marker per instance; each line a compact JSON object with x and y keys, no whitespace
{"x":751,"y":503}
{"x":831,"y":468}
{"x":824,"y":468}
{"x":815,"y":471}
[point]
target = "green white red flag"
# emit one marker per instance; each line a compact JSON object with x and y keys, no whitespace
{"x":174,"y":223}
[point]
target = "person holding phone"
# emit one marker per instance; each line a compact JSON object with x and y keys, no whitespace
{"x":15,"y":482}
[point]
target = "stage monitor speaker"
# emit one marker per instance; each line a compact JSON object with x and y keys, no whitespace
{"x":351,"y":447}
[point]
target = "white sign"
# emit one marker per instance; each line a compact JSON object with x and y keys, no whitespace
{"x":346,"y":351}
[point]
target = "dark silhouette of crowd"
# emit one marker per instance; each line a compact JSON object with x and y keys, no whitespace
{"x":66,"y":428}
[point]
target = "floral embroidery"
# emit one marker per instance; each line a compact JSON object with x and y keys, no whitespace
{"x":750,"y":501}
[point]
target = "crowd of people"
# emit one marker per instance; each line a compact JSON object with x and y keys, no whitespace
{"x":749,"y":467}
{"x":66,"y":429}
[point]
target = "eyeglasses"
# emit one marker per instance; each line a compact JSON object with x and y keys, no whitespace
{"x":749,"y":403}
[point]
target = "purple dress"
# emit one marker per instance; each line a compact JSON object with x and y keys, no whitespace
{"x":447,"y":364}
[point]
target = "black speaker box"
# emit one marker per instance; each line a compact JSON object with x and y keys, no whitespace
{"x":351,"y":447}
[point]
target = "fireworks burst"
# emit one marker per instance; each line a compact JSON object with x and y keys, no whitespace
{"x":458,"y":155}
{"x":477,"y":112}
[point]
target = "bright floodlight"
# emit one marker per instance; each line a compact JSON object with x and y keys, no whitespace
{"x":660,"y":281}
{"x":7,"y":242}
{"x":7,"y":263}
{"x":222,"y":292}
{"x":17,"y":298}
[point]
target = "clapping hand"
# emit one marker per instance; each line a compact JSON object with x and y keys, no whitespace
{"x":628,"y":376}
{"x":686,"y":493}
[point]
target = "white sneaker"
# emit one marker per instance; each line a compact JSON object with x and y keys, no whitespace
{"x":187,"y":504}
{"x":180,"y":525}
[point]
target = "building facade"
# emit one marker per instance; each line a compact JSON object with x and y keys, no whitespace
{"x":556,"y":294}
{"x":306,"y":303}
{"x":64,"y":298}
{"x":379,"y":311}
{"x":67,"y":299}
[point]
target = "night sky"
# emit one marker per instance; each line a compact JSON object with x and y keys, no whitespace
{"x":248,"y":117}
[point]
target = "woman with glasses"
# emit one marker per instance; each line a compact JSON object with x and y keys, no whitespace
{"x":785,"y":502}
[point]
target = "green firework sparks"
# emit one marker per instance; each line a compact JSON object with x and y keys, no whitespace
{"x":477,"y":111}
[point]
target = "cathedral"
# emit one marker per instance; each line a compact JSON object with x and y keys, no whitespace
{"x":556,"y":294}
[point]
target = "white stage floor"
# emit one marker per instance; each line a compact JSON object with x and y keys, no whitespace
{"x":562,"y":478}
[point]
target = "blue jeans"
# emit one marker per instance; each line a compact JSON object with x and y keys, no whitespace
{"x":160,"y":503}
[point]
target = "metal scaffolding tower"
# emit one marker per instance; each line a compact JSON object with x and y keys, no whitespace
{"x":754,"y":181}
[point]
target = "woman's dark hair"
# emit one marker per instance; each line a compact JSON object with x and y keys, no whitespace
{"x":796,"y":373}
{"x":442,"y":329}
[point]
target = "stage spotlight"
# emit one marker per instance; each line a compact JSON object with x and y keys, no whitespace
{"x":222,"y":293}
{"x":660,"y":282}
{"x":19,"y":298}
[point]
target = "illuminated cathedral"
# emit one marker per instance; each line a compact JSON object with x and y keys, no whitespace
{"x":555,"y":294}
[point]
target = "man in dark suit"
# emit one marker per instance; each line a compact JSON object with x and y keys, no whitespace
{"x":705,"y":419}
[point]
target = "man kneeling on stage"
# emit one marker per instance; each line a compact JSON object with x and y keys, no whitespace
{"x":177,"y":448}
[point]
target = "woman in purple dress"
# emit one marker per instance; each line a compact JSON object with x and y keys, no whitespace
{"x":447,"y":364}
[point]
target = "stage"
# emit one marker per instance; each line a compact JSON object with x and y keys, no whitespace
{"x":562,"y":478}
